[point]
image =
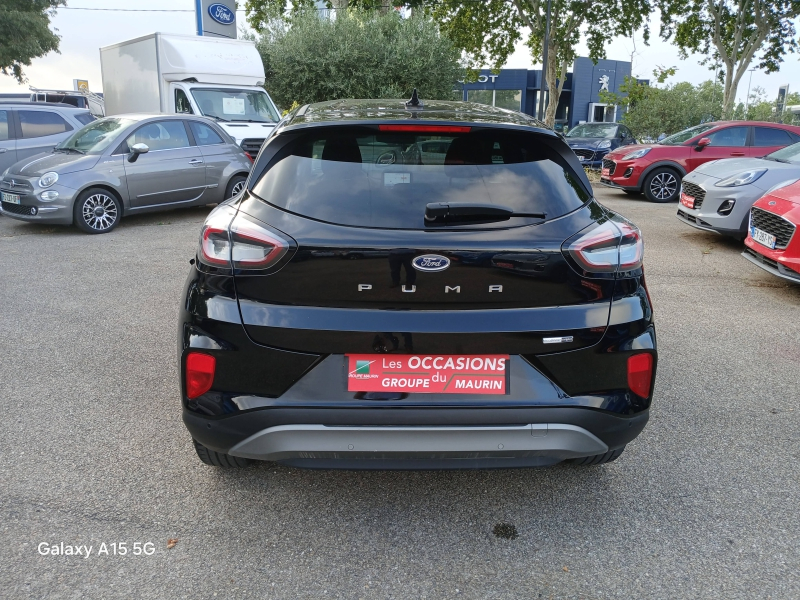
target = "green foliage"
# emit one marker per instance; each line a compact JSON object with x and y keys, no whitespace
{"x":760,"y":107}
{"x":732,"y":34}
{"x":25,"y":33}
{"x":360,"y":54}
{"x":652,"y":111}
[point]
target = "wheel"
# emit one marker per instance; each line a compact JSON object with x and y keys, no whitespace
{"x":217,"y":459}
{"x":97,"y":211}
{"x":662,"y":185}
{"x":235,"y":185}
{"x":598,"y":459}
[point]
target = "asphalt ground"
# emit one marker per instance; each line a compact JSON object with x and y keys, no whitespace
{"x":704,"y":504}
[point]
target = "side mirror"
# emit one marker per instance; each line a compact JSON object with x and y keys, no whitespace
{"x":702,"y":143}
{"x":136,"y":150}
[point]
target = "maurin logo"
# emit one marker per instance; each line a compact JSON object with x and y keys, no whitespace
{"x":362,"y":370}
{"x":362,"y":367}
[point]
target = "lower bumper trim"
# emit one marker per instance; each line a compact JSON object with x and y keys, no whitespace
{"x":537,"y":444}
{"x":780,"y":271}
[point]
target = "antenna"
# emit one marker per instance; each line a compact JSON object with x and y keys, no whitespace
{"x":415,"y":101}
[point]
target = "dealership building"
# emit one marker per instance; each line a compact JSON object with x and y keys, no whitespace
{"x":521,"y":89}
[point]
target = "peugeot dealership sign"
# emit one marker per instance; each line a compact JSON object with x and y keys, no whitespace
{"x":216,"y":18}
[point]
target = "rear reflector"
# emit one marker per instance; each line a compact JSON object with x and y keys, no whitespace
{"x":199,"y":373}
{"x":640,"y":374}
{"x":426,"y":128}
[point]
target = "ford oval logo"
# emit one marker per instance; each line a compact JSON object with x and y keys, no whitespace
{"x":430,"y":263}
{"x":221,"y":14}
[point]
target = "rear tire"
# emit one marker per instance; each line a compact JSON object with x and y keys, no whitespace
{"x":598,"y":459}
{"x":662,"y":185}
{"x":235,"y":185}
{"x":96,"y":211}
{"x":217,"y":459}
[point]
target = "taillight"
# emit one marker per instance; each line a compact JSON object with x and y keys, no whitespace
{"x":200,"y":370}
{"x":612,"y":246}
{"x":240,"y":242}
{"x":250,"y":158}
{"x":640,"y":374}
{"x":255,"y":246}
{"x":215,"y":247}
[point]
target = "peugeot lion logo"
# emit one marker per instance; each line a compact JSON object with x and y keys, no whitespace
{"x":221,"y":14}
{"x":430,"y":263}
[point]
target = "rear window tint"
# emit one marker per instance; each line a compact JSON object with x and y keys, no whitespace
{"x":768,"y":136}
{"x":84,"y":118}
{"x":368,"y":179}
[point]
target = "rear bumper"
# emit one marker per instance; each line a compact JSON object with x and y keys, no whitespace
{"x":417,"y":437}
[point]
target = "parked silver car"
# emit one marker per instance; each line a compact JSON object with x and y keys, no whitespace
{"x":27,"y":129}
{"x":125,"y":165}
{"x":718,"y":195}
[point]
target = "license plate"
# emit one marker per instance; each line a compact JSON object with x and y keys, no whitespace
{"x":428,"y":373}
{"x":763,"y":238}
{"x":10,"y":198}
{"x":604,"y":172}
{"x":687,"y":200}
{"x":581,"y":158}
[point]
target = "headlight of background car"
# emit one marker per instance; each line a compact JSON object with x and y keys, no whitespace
{"x":604,"y":144}
{"x":744,"y":178}
{"x":48,"y":179}
{"x":5,"y":173}
{"x":636,"y":154}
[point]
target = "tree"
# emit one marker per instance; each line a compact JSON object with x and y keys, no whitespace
{"x":487,"y":31}
{"x":359,"y":54}
{"x":25,"y":34}
{"x":732,"y":32}
{"x":651,"y":111}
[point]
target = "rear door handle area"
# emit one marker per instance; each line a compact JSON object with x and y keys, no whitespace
{"x":737,"y":153}
{"x":195,"y":161}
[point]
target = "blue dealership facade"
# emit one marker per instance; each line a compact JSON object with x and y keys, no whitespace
{"x":521,"y":89}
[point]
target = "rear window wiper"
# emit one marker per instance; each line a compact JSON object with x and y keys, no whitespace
{"x":442,"y":213}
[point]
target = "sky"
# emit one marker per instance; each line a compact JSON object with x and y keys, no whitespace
{"x":83,"y":32}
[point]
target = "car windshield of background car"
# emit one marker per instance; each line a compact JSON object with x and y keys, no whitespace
{"x":790,"y":154}
{"x":96,"y":136}
{"x":594,"y":130}
{"x":685,"y":135}
{"x":235,"y":105}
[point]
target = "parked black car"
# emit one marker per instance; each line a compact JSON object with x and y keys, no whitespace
{"x":592,"y":141}
{"x":539,"y":348}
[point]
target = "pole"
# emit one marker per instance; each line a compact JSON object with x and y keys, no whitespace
{"x":544,"y":63}
{"x":747,"y":98}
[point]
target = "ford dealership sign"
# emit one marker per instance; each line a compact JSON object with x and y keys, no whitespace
{"x":221,"y":14}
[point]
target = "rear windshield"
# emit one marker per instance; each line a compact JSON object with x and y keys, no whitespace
{"x":367,"y":178}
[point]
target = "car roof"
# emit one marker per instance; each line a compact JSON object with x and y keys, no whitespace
{"x":353,"y":111}
{"x":748,"y":123}
{"x":26,"y":104}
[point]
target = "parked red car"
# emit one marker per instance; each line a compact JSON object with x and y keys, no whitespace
{"x":656,"y":170}
{"x":772,"y":242}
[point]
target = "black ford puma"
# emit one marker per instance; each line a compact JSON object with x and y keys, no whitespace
{"x":409,"y":285}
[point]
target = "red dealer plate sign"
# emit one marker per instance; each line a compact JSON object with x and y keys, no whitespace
{"x":428,"y":373}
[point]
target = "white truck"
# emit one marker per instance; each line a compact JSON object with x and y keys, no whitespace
{"x":215,"y":77}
